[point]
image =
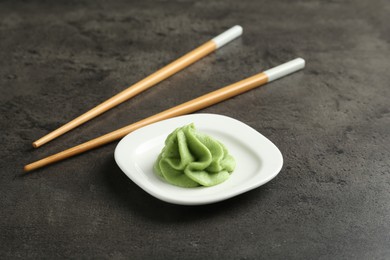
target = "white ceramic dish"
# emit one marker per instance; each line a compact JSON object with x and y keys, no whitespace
{"x":258,"y":159}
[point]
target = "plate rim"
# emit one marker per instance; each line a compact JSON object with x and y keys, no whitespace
{"x":199,"y":201}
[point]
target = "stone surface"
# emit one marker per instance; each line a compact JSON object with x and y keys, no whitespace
{"x":331,"y":122}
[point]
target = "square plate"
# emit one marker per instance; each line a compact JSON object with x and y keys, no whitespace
{"x":258,"y":159}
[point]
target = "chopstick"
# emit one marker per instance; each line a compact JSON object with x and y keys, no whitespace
{"x":146,"y":83}
{"x":185,"y":108}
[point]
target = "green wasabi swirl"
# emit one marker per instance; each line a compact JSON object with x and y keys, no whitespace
{"x":191,"y":159}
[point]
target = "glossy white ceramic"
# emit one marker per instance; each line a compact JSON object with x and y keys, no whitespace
{"x":258,"y":159}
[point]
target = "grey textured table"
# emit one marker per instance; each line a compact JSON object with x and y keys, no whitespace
{"x":331,"y":122}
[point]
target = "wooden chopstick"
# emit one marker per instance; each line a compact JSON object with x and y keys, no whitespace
{"x":185,"y":108}
{"x":146,"y":83}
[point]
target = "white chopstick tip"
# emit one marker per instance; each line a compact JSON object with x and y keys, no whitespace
{"x":285,"y":69}
{"x":227,"y":36}
{"x":300,"y":62}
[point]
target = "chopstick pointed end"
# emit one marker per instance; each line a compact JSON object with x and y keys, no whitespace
{"x":26,"y":169}
{"x":31,"y":167}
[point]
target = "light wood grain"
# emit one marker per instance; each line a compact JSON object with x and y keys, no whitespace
{"x":185,"y":108}
{"x":131,"y":91}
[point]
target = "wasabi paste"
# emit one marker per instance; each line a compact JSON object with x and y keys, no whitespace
{"x":191,"y":159}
